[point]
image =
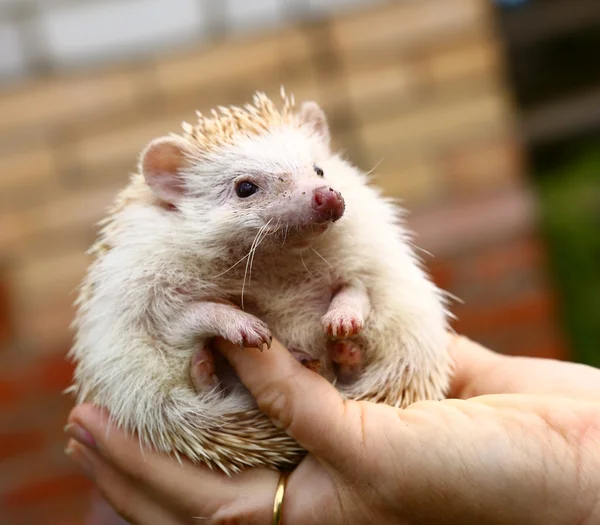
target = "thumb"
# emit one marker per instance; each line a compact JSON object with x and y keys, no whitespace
{"x":299,"y":401}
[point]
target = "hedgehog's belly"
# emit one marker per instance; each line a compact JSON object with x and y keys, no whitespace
{"x":294,"y":318}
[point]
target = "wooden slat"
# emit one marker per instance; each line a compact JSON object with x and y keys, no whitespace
{"x":464,"y":59}
{"x":428,"y":126}
{"x":376,"y":93}
{"x":405,"y":26}
{"x":482,"y":164}
{"x":70,"y":210}
{"x":66,"y":99}
{"x":34,"y":168}
{"x":36,"y":280}
{"x":303,"y":85}
{"x":231,"y":61}
{"x":27,"y":178}
{"x":124,"y":144}
{"x":417,"y":183}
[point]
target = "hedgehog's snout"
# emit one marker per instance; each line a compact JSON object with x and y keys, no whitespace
{"x":328,"y":204}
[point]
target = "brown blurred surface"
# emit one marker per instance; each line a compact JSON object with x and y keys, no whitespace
{"x":416,"y":89}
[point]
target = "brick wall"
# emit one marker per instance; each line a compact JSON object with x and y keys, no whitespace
{"x":414,"y":88}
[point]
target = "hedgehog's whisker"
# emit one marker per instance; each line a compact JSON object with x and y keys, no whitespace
{"x":261,"y":236}
{"x":287,"y":229}
{"x":326,"y":261}
{"x":277,"y":227}
{"x":251,"y":253}
{"x":238,"y":262}
{"x":231,"y":267}
{"x":375,"y":167}
{"x":247,"y":264}
{"x":306,"y":267}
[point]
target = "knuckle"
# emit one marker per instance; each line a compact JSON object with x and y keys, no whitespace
{"x":250,"y":513}
{"x":275,"y":400}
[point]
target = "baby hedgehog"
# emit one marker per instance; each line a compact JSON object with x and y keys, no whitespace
{"x":247,"y":227}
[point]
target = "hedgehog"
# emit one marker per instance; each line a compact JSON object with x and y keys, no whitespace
{"x":247,"y":225}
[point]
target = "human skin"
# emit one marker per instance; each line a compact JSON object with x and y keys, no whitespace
{"x":517,"y":442}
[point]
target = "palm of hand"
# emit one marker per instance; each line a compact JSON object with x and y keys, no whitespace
{"x":472,"y":455}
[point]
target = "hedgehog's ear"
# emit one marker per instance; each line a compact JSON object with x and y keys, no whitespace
{"x":161,"y":163}
{"x":313,"y":116}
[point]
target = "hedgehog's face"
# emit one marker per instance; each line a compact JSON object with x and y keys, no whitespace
{"x":278,"y":181}
{"x":274,"y":182}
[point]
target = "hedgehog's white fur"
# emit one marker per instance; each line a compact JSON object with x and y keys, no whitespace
{"x":135,"y":332}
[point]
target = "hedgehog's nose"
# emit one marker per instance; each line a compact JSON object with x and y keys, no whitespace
{"x":328,"y":203}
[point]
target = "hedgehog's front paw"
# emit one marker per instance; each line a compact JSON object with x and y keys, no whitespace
{"x":347,"y":358}
{"x":246,"y":331}
{"x":342,"y":323}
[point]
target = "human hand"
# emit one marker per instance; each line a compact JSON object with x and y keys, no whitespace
{"x":518,"y":443}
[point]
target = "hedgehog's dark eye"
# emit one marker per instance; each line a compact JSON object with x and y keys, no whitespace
{"x":319,"y":171}
{"x":245,"y":189}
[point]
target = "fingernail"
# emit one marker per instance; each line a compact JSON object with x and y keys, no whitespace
{"x":80,"y":434}
{"x":82,"y":460}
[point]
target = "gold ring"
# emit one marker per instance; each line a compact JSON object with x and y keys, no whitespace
{"x":279,"y":493}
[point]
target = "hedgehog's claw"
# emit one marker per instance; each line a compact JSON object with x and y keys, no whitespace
{"x":257,"y":339}
{"x":341,"y":324}
{"x":246,"y":331}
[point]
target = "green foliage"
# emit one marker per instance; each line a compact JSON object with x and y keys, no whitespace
{"x":570,"y":214}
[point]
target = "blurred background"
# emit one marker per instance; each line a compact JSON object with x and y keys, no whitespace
{"x":482,"y":116}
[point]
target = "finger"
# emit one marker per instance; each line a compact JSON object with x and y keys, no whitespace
{"x":479,"y":371}
{"x":473,"y":368}
{"x":126,"y":498}
{"x":191,"y":488}
{"x":298,"y":400}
